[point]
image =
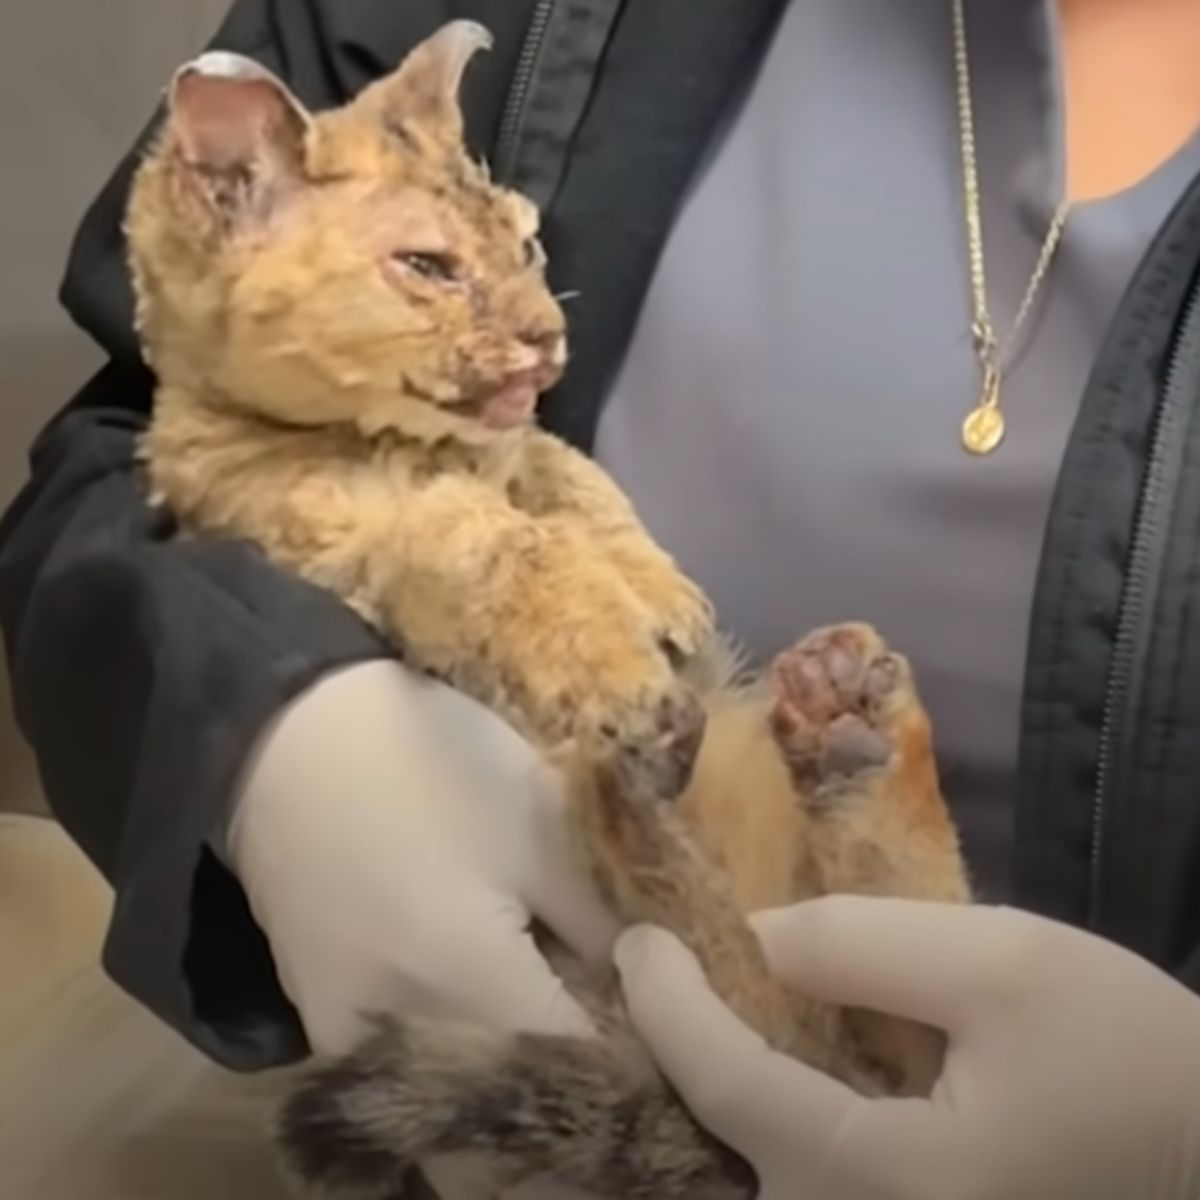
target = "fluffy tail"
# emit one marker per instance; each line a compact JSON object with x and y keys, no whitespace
{"x":590,"y":1113}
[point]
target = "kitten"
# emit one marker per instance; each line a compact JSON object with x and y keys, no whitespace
{"x":350,"y":327}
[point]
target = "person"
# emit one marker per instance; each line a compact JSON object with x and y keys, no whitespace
{"x":886,"y":310}
{"x":1070,"y":1072}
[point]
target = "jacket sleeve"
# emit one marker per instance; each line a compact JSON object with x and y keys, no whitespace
{"x":144,"y":667}
{"x":142,"y":670}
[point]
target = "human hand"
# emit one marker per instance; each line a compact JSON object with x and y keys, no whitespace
{"x":1073,"y":1068}
{"x":394,"y":838}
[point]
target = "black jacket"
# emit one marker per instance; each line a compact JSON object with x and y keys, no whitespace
{"x":144,"y":668}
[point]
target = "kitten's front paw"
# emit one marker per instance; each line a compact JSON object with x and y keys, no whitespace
{"x":608,"y":686}
{"x":685,"y":620}
{"x":688,"y":620}
{"x":629,"y":709}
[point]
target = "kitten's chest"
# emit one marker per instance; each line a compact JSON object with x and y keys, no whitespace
{"x":498,"y":467}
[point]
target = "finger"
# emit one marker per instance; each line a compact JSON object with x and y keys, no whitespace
{"x":567,"y":903}
{"x":500,"y":979}
{"x":911,"y":958}
{"x":554,"y":884}
{"x":752,"y":1098}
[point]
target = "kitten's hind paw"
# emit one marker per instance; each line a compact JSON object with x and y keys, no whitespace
{"x":838,"y":697}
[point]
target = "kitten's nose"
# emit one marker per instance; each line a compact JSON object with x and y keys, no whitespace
{"x":542,"y":339}
{"x":550,"y":345}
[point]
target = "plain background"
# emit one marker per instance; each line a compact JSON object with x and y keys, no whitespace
{"x":78,"y":80}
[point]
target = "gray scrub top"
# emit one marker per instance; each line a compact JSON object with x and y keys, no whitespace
{"x":787,"y":417}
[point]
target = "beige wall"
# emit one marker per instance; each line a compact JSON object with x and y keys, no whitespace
{"x":78,"y":78}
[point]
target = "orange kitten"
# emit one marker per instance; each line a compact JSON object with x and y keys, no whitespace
{"x":350,"y":327}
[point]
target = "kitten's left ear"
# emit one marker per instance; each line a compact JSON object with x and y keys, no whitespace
{"x":239,"y":131}
{"x":424,"y":89}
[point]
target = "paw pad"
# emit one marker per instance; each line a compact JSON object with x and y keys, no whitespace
{"x":835,"y":696}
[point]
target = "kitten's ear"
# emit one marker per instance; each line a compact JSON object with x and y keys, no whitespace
{"x":239,"y":130}
{"x":424,"y":89}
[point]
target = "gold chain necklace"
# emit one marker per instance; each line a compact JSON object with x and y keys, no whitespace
{"x":983,"y":429}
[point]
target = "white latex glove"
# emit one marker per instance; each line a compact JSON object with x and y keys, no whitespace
{"x":1073,"y":1071}
{"x":393,"y":838}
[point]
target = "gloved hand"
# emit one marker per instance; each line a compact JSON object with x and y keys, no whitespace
{"x":1073,"y":1071}
{"x":393,"y":838}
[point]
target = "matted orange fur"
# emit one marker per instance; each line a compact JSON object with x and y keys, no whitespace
{"x":350,"y":326}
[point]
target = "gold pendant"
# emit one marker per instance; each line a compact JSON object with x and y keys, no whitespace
{"x":983,"y":429}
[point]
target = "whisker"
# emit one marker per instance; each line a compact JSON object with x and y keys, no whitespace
{"x":563,"y":297}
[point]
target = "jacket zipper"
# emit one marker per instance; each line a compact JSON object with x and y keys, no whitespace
{"x":1119,"y":723}
{"x":513,"y":117}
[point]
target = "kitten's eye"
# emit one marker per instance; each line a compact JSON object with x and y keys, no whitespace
{"x":535,"y":256}
{"x":441,"y":268}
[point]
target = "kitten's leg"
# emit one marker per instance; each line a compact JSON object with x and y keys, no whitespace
{"x":651,"y":869}
{"x":560,"y":480}
{"x":847,"y":718}
{"x":518,"y":611}
{"x":848,"y":721}
{"x":523,"y":614}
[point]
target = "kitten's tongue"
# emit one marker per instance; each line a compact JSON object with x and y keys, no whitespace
{"x":510,"y":406}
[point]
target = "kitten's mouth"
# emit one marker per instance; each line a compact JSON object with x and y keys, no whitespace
{"x":512,"y":403}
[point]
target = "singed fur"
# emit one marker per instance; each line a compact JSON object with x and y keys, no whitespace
{"x":348,"y":322}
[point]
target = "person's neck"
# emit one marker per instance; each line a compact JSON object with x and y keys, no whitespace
{"x":1131,"y":83}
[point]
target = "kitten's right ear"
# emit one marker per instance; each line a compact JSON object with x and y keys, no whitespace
{"x":239,"y":131}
